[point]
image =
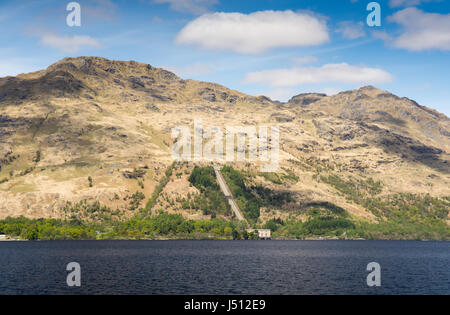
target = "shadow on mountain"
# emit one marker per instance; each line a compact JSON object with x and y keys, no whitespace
{"x":381,"y":116}
{"x":55,"y":83}
{"x":410,"y":150}
{"x":325,"y":205}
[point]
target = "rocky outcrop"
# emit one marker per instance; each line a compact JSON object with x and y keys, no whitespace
{"x":306,"y":98}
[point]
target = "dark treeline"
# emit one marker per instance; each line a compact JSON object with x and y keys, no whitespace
{"x":162,"y":225}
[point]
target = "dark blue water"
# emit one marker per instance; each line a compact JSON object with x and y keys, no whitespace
{"x":225,"y":267}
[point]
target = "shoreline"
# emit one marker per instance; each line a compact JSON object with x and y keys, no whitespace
{"x":13,"y":240}
{"x":223,"y":239}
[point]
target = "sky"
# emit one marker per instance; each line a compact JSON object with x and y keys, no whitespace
{"x":277,"y":48}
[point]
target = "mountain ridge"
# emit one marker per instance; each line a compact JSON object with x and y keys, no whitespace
{"x":111,"y":121}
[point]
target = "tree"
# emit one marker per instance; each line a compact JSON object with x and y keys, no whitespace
{"x":228,"y":231}
{"x":37,"y":157}
{"x":236,"y":235}
{"x":30,"y":233}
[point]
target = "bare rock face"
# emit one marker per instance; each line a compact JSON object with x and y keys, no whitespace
{"x":111,"y":121}
{"x":306,"y":98}
{"x":399,"y":114}
{"x":152,"y":107}
{"x":283,"y":117}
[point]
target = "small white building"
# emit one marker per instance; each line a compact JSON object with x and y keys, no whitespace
{"x":264,"y":234}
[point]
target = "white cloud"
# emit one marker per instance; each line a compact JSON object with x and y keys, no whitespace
{"x":189,"y":6}
{"x":406,"y":3}
{"x":190,"y":70}
{"x":305,"y":60}
{"x":341,"y":72}
{"x":381,"y":35}
{"x":351,"y":30}
{"x":69,"y":44}
{"x":422,"y":30}
{"x":254,"y":33}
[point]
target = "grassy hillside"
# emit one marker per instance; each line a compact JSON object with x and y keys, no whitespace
{"x":88,"y":140}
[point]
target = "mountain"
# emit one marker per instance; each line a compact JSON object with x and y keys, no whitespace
{"x":94,"y":129}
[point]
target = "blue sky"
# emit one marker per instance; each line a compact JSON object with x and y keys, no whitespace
{"x":278,"y":48}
